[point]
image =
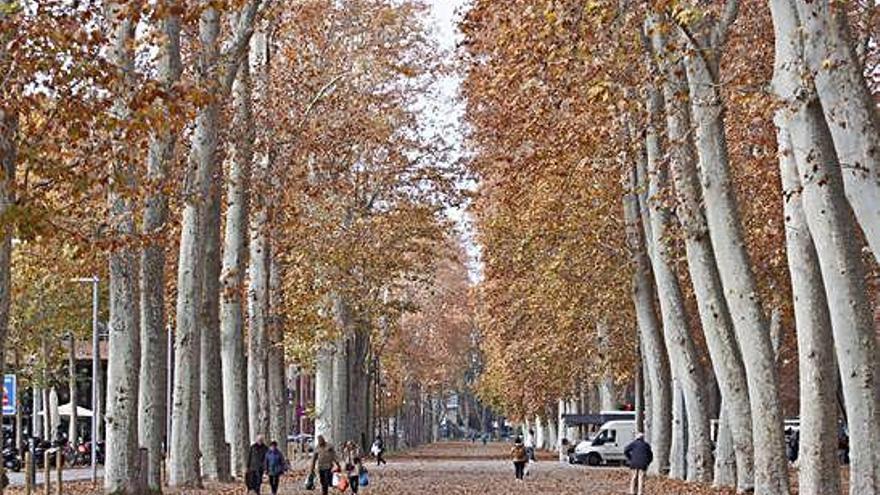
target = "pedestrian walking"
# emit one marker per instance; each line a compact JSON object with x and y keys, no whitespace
{"x":530,"y":446}
{"x":351,"y":458}
{"x":520,"y":457}
{"x":256,"y":464}
{"x":639,"y":456}
{"x":792,"y":445}
{"x":275,"y":466}
{"x":378,"y":450}
{"x":324,"y":459}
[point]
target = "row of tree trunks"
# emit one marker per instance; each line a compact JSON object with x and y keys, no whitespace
{"x":687,"y":372}
{"x":712,"y":308}
{"x":814,"y":143}
{"x":658,"y":391}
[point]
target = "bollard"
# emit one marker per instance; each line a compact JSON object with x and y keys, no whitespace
{"x":28,"y":473}
{"x":291,"y":453}
{"x":47,"y":474}
{"x":59,"y":473}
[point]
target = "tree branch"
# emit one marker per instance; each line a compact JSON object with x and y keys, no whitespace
{"x":234,"y":52}
{"x":729,"y":13}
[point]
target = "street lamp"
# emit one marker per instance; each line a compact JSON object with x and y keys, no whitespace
{"x":96,"y":369}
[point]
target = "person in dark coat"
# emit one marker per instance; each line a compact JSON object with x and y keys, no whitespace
{"x":256,"y":465}
{"x":639,"y":456}
{"x":275,"y":466}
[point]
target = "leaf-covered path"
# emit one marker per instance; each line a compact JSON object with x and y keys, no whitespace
{"x":466,"y":468}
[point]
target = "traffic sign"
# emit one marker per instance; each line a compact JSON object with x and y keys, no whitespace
{"x":10,"y":388}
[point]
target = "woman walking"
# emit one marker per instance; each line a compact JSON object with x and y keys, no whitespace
{"x":324,"y":460}
{"x":378,"y":450}
{"x":520,"y":457}
{"x":275,"y":466}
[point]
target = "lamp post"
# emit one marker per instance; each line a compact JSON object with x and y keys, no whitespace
{"x":96,"y":369}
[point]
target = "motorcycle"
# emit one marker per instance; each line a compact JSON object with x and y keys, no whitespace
{"x":11,"y":459}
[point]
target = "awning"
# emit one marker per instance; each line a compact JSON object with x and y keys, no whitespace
{"x":65,"y":410}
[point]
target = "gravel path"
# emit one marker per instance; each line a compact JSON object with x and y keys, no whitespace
{"x":474,"y":469}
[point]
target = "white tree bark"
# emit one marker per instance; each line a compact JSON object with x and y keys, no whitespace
{"x":644,"y":299}
{"x":324,"y":392}
{"x":818,"y":471}
{"x":712,"y":308}
{"x":725,"y":454}
{"x":154,"y":352}
{"x":678,"y":461}
{"x":258,"y":273}
{"x":121,"y":467}
{"x":848,"y":106}
{"x":685,"y":365}
{"x":276,"y":368}
{"x":607,"y":388}
{"x":827,"y":216}
{"x":184,"y":467}
{"x":235,"y":261}
{"x":212,"y":432}
{"x":339,"y":397}
{"x":258,"y":311}
{"x":734,"y":267}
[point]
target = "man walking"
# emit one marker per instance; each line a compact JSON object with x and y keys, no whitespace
{"x":256,"y":463}
{"x":639,"y":456}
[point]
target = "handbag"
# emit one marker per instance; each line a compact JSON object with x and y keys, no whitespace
{"x":340,"y":482}
{"x":364,"y":478}
{"x":310,"y":481}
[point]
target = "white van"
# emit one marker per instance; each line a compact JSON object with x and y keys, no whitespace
{"x":608,"y":444}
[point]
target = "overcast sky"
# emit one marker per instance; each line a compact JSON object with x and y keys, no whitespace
{"x":448,"y":117}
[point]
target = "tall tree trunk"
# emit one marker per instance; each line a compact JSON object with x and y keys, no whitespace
{"x":735,"y":270}
{"x":644,"y":300}
{"x":258,"y":287}
{"x":121,"y":468}
{"x":276,"y":368}
{"x":258,"y":338}
{"x":235,"y":260}
{"x":685,"y":365}
{"x":339,"y":409}
{"x":607,"y":388}
{"x":324,"y":392}
{"x":212,"y":432}
{"x":184,"y":468}
{"x":359,"y":346}
{"x":848,"y":106}
{"x":818,"y":471}
{"x":712,"y":308}
{"x":153,"y":367}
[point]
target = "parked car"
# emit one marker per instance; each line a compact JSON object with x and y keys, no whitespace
{"x":304,"y":441}
{"x":607,"y":446}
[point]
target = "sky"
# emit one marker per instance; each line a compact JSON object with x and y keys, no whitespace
{"x":445,"y":15}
